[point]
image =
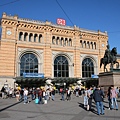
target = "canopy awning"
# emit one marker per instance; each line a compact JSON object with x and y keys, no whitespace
{"x":65,"y":80}
{"x":22,"y":80}
{"x":31,"y":81}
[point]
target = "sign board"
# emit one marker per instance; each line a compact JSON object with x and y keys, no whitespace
{"x":38,"y":75}
{"x":61,"y":21}
{"x":94,"y":76}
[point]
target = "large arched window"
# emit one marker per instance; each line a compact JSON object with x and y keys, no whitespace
{"x":87,"y":67}
{"x":28,"y":64}
{"x":61,"y":67}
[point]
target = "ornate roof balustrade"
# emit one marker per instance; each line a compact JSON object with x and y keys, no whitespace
{"x":15,"y":17}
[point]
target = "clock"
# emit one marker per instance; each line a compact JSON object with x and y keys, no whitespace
{"x":9,"y":32}
{"x":102,"y":45}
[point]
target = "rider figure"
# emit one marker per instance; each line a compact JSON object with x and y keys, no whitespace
{"x":107,"y":53}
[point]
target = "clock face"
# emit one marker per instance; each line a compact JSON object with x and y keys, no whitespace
{"x":9,"y":32}
{"x":102,"y":45}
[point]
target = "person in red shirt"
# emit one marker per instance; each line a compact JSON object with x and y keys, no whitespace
{"x":113,"y":98}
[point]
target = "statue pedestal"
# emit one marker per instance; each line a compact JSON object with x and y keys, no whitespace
{"x":106,"y":79}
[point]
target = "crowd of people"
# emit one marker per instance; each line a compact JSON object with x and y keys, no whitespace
{"x":43,"y":95}
{"x":98,"y":95}
{"x":40,"y":95}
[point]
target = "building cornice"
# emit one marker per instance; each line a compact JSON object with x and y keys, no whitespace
{"x":50,"y":24}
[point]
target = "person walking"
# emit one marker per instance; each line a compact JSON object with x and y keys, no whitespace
{"x":68,"y":94}
{"x":77,"y":91}
{"x":90,"y":96}
{"x":109,"y":97}
{"x":117,"y":91}
{"x":17,"y":93}
{"x":53,"y":94}
{"x":10,"y":92}
{"x":40,"y":96}
{"x":25,"y":96}
{"x":62,"y":94}
{"x":47,"y":94}
{"x":85,"y":97}
{"x":21,"y":94}
{"x":3,"y":92}
{"x":98,"y":98}
{"x":113,"y":98}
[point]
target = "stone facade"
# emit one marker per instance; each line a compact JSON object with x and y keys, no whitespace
{"x":47,"y":40}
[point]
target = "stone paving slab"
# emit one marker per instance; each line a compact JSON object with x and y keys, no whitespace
{"x":53,"y":110}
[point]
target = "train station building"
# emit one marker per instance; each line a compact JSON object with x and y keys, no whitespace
{"x":34,"y":50}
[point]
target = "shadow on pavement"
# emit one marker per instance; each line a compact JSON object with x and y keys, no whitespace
{"x":10,"y":106}
{"x":92,"y":110}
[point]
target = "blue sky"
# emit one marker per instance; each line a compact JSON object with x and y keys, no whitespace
{"x":95,"y":15}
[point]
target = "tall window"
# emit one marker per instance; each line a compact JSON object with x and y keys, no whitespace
{"x":25,"y":36}
{"x":20,"y":35}
{"x":30,"y":37}
{"x":35,"y":36}
{"x":61,"y":67}
{"x":87,"y":67}
{"x":28,"y":64}
{"x":40,"y":37}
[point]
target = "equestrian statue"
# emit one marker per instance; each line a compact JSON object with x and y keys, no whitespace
{"x":109,"y":58}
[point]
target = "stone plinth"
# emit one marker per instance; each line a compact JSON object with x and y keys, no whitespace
{"x":107,"y":79}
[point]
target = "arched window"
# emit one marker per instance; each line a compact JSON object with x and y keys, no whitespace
{"x":88,"y":44}
{"x":70,"y":42}
{"x":84,"y":44}
{"x":39,"y":38}
{"x":92,"y":45}
{"x":61,"y":67}
{"x":66,"y":42}
{"x":53,"y":40}
{"x":87,"y":67}
{"x":25,"y":36}
{"x":62,"y":41}
{"x":35,"y":36}
{"x":95,"y":45}
{"x":20,"y":35}
{"x":57,"y":41}
{"x":81,"y":44}
{"x":28,"y":64}
{"x":30,"y":37}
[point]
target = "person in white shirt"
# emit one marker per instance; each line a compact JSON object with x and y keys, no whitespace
{"x":25,"y":96}
{"x":85,"y":97}
{"x":10,"y":93}
{"x":89,"y":95}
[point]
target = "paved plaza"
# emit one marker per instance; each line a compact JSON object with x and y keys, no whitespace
{"x":54,"y":110}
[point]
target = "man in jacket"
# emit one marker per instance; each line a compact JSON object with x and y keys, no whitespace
{"x":98,"y":98}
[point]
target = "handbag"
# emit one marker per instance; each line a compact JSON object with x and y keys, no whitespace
{"x":36,"y":101}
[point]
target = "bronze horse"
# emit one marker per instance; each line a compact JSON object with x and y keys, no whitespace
{"x":112,"y":60}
